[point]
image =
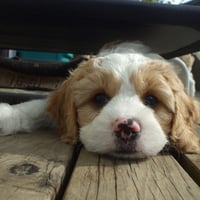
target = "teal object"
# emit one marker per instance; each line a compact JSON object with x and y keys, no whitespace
{"x":45,"y":56}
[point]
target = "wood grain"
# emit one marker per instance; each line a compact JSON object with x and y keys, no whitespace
{"x":32,"y":166}
{"x":160,"y":177}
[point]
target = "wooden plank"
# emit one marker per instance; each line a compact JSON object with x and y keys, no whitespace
{"x":160,"y":177}
{"x":32,"y":166}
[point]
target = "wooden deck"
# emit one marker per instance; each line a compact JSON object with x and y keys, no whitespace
{"x":38,"y":166}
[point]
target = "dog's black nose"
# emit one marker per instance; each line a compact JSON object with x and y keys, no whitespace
{"x":126,"y":129}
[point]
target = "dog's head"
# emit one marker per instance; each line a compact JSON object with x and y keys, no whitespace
{"x":127,"y":104}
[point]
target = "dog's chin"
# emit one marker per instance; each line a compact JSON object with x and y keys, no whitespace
{"x":124,"y":154}
{"x":128,"y":154}
{"x":123,"y":149}
{"x":127,"y":150}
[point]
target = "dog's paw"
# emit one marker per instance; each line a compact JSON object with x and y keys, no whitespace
{"x":8,"y":123}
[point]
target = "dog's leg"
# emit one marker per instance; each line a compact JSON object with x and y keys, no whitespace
{"x":25,"y":116}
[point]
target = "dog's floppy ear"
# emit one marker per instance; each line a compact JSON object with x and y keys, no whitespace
{"x":62,"y":109}
{"x":186,"y":117}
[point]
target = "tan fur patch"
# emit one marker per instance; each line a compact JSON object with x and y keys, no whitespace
{"x":61,"y":104}
{"x":85,"y":89}
{"x":176,"y":112}
{"x":72,"y":104}
{"x":152,"y":80}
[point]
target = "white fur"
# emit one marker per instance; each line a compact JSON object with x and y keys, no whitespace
{"x":122,"y":66}
{"x":22,"y":117}
{"x":130,"y":48}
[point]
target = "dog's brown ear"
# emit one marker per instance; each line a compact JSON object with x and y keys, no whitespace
{"x":186,"y":117}
{"x":62,"y":109}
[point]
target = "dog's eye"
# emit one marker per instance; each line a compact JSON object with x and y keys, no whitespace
{"x":150,"y":100}
{"x":101,"y":99}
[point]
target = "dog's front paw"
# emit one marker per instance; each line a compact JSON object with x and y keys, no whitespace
{"x":8,"y":123}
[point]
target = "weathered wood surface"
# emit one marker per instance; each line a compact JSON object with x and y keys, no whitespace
{"x":32,"y":166}
{"x":160,"y":177}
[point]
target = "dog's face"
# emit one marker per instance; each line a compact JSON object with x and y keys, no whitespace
{"x":125,"y":105}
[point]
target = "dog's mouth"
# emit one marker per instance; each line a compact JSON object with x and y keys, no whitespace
{"x":128,"y":149}
{"x":125,"y":147}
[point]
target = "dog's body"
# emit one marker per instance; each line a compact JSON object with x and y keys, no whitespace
{"x":125,"y":102}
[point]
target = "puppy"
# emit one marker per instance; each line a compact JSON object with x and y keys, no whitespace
{"x":125,"y":102}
